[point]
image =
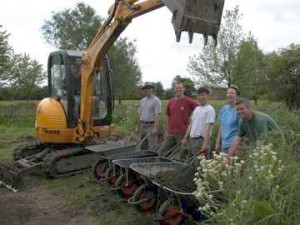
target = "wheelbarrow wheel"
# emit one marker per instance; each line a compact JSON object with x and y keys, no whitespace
{"x":99,"y":170}
{"x":112,"y":177}
{"x":148,"y":200}
{"x":172,"y":215}
{"x":128,"y":188}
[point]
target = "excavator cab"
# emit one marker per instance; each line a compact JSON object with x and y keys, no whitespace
{"x":64,"y":82}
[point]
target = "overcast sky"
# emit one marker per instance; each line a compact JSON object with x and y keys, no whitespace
{"x":274,"y":23}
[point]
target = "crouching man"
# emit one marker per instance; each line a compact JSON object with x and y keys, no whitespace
{"x":254,"y":126}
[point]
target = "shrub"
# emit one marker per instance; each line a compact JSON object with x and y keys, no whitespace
{"x":266,"y":190}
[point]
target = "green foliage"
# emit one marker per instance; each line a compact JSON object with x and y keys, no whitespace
{"x":13,"y":133}
{"x":25,"y":74}
{"x":283,"y":71}
{"x":11,"y":93}
{"x":4,"y":52}
{"x":249,"y":74}
{"x":214,"y":65}
{"x":126,"y":116}
{"x":288,"y":122}
{"x":159,"y":89}
{"x":20,"y":75}
{"x":266,"y":190}
{"x":72,"y":28}
{"x":126,"y":70}
{"x":169,"y":93}
{"x":20,"y":113}
{"x":75,"y":29}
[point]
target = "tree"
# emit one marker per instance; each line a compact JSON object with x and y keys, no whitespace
{"x":214,"y":65}
{"x":126,"y":71}
{"x":283,"y":70}
{"x":5,"y":51}
{"x":188,"y":84}
{"x":169,"y":93}
{"x":75,"y":29}
{"x":159,"y":89}
{"x":25,"y":75}
{"x":249,"y":69}
{"x":72,"y":28}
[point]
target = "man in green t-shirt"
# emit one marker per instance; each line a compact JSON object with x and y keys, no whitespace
{"x":254,"y":126}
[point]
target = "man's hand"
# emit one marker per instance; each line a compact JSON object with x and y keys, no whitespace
{"x":205,"y":145}
{"x":154,"y":130}
{"x":217,"y":148}
{"x":137,"y":130}
{"x":184,"y":140}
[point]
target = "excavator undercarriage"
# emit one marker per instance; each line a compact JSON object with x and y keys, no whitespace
{"x":53,"y":161}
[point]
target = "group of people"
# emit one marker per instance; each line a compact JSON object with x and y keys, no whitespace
{"x":190,"y":122}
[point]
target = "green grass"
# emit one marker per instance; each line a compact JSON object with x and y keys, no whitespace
{"x":13,"y":102}
{"x":11,"y":136}
{"x":80,"y":192}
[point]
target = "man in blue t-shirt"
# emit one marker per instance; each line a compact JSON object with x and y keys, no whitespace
{"x":229,"y":121}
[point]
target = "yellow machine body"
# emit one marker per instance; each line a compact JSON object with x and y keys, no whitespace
{"x":51,"y":124}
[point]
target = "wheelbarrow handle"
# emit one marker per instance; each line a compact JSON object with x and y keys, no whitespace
{"x":133,"y":199}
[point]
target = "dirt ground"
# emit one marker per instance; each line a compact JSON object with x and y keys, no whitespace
{"x":37,"y":206}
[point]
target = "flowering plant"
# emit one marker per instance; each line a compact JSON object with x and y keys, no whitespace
{"x":211,"y":180}
{"x":262,"y":190}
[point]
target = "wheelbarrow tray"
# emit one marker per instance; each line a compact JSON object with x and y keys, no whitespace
{"x":116,"y":147}
{"x":151,"y":170}
{"x":181,"y":184}
{"x":130,"y":154}
{"x":125,"y":163}
{"x":172,"y":189}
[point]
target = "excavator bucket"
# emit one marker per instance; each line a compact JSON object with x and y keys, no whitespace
{"x":10,"y":178}
{"x":196,"y":16}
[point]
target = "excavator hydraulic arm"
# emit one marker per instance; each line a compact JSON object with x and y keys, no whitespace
{"x":192,"y":16}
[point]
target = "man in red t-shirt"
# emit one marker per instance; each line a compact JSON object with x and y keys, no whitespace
{"x":178,"y":111}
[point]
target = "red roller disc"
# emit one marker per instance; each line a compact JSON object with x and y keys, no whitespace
{"x":149,"y":204}
{"x":112,"y":178}
{"x":173,"y":216}
{"x":99,"y":170}
{"x":128,"y":188}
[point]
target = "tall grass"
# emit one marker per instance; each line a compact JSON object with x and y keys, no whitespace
{"x":267,"y":191}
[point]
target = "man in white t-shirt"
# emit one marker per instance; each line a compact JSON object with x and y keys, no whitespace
{"x":199,"y":129}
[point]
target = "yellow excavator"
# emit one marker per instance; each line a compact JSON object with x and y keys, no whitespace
{"x":79,"y":111}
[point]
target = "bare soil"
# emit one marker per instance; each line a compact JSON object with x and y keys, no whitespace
{"x":38,"y":207}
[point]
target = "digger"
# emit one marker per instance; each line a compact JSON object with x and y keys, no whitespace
{"x":79,"y":111}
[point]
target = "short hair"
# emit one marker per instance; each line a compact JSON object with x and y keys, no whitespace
{"x":178,"y":83}
{"x":203,"y":90}
{"x":244,"y":101}
{"x":237,"y":90}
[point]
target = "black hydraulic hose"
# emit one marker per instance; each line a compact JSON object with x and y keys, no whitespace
{"x":111,"y":16}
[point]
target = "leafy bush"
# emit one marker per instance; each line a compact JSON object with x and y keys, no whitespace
{"x":264,"y":190}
